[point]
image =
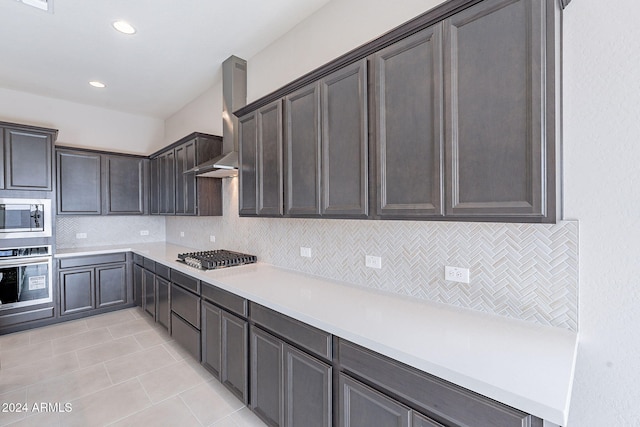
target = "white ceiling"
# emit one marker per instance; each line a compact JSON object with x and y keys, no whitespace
{"x":175,"y":55}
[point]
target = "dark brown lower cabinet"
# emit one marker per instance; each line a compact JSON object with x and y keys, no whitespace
{"x":76,"y":291}
{"x":92,"y":283}
{"x":163,"y":309}
{"x":288,"y":387}
{"x":225,"y":348}
{"x":186,"y":335}
{"x":138,"y":277}
{"x":149,"y":292}
{"x":362,"y":406}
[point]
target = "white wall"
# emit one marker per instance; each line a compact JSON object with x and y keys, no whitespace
{"x":203,"y":114}
{"x":82,"y":125}
{"x":602,"y":174}
{"x":601,"y":171}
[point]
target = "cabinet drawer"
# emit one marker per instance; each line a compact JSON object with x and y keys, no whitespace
{"x":186,"y":335}
{"x":92,"y":260}
{"x":186,"y":305}
{"x":138,"y":259}
{"x":224,"y":299}
{"x":428,"y":393}
{"x":149,"y":264}
{"x":301,"y":334}
{"x":27,"y":316}
{"x":185,"y":281}
{"x":163,"y":271}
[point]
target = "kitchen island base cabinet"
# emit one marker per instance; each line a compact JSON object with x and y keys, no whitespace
{"x":288,"y":387}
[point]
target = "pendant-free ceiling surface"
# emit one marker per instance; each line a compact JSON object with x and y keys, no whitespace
{"x":175,"y":54}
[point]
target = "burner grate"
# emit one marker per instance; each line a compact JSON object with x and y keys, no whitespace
{"x":219,"y":258}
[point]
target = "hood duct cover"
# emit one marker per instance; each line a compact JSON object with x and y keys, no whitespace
{"x":234,"y":96}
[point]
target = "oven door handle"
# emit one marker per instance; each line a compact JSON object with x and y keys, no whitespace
{"x":24,"y":261}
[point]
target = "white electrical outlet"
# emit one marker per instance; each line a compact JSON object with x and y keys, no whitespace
{"x":373,"y":261}
{"x":305,"y":252}
{"x":212,"y":238}
{"x":144,"y":232}
{"x":81,"y":235}
{"x":456,"y":274}
{"x":182,"y":234}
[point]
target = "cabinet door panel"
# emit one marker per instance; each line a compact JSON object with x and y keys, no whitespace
{"x":78,"y":183}
{"x":154,"y":186}
{"x":185,"y":184}
{"x":138,"y":273}
{"x":211,"y":330}
{"x":419,"y":420}
{"x":125,"y":183}
{"x":248,"y":161}
{"x":270,"y":159}
{"x":345,"y":142}
{"x":76,"y":291}
{"x":409,"y":133}
{"x":111,"y":285}
{"x":361,"y":406}
{"x":235,"y":337}
{"x":28,"y":160}
{"x":302,"y":152}
{"x":167,"y":181}
{"x":307,"y":393}
{"x":162,"y":301}
{"x":149,"y":291}
{"x":266,"y":377}
{"x":495,"y":143}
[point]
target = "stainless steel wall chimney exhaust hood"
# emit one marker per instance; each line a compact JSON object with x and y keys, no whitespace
{"x":234,"y":96}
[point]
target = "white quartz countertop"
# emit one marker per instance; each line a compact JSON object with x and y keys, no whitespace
{"x":527,"y":366}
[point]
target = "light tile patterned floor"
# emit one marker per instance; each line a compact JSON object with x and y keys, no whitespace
{"x":115,"y":369}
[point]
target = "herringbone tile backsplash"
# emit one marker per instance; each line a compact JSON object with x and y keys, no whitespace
{"x":522,"y":271}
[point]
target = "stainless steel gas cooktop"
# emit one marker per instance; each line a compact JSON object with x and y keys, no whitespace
{"x":219,"y":258}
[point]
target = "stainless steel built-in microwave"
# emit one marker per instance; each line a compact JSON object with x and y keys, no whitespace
{"x":24,"y":218}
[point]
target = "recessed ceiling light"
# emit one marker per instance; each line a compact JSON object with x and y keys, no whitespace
{"x":124,"y":27}
{"x":98,"y":84}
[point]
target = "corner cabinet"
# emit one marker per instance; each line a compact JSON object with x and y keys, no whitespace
{"x":174,"y":192}
{"x":100,"y":183}
{"x":462,"y":111}
{"x":27,"y":157}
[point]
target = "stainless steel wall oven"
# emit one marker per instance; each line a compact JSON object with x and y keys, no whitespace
{"x":25,"y":276}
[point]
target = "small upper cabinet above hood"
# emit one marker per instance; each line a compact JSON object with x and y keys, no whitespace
{"x":234,"y":96}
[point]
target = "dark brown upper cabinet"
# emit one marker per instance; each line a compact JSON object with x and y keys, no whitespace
{"x":325,"y":151}
{"x":302,"y":152}
{"x":409,"y":126}
{"x":27,"y":157}
{"x":260,"y":158}
{"x":174,"y":192}
{"x":101,"y":183}
{"x":125,"y":190}
{"x":345,"y":151}
{"x":463,"y":117}
{"x":78,"y":182}
{"x":501,"y":147}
